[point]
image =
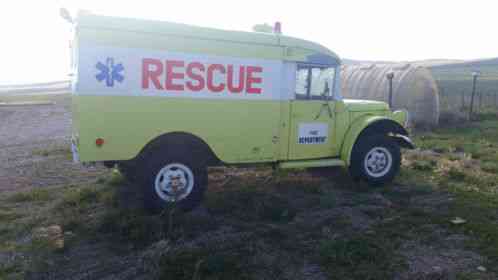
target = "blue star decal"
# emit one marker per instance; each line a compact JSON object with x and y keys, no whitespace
{"x":109,"y":72}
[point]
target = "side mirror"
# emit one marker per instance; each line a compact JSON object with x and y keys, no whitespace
{"x":64,"y":13}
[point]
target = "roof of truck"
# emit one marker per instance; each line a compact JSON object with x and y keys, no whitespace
{"x":169,"y":28}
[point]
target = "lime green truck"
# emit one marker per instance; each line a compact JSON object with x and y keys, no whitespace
{"x":164,"y":101}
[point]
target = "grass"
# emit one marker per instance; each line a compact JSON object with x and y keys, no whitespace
{"x":35,"y":195}
{"x":252,"y":228}
{"x":207,"y":264}
{"x":359,"y":257}
{"x":472,"y":179}
{"x":251,"y":204}
{"x":52,"y":151}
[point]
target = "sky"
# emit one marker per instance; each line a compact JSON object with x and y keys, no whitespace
{"x":35,"y":39}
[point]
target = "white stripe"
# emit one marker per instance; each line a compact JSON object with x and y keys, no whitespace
{"x":86,"y":83}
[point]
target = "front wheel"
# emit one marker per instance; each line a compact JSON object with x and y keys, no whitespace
{"x":375,"y":159}
{"x":172,"y":179}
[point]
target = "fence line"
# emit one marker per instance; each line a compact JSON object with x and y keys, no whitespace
{"x":461,"y":100}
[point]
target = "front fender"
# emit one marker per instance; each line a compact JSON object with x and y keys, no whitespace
{"x":378,"y":124}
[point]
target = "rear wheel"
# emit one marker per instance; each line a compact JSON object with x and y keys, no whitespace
{"x":375,"y":159}
{"x":172,"y":179}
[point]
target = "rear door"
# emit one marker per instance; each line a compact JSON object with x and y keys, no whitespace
{"x":312,"y":120}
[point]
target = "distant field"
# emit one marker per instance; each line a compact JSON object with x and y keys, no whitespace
{"x":458,"y":77}
{"x":57,"y":87}
{"x":455,"y":83}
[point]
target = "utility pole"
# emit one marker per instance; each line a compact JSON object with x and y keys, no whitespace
{"x":475,"y":74}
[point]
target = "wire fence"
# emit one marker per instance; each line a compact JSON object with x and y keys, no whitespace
{"x":461,"y":100}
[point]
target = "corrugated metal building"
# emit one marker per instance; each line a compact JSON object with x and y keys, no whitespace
{"x":414,"y":89}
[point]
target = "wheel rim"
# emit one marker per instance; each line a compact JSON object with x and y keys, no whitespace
{"x":378,"y":162}
{"x":174,"y":182}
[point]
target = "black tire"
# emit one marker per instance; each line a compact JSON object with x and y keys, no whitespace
{"x":375,"y":173}
{"x":152,"y":165}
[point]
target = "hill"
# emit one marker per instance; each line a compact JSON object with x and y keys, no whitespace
{"x":457,"y":77}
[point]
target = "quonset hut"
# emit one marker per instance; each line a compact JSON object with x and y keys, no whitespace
{"x":414,"y":89}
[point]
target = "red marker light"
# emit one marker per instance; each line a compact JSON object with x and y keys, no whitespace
{"x":99,"y":142}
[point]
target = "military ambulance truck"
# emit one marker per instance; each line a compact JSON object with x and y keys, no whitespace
{"x":164,"y":101}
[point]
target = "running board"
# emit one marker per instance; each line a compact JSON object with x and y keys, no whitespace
{"x":311,"y":163}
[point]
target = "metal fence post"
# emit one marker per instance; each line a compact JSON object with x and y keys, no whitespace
{"x":480,"y":100}
{"x":475,"y":74}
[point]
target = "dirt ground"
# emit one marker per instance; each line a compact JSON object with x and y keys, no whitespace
{"x":34,"y":153}
{"x":35,"y":147}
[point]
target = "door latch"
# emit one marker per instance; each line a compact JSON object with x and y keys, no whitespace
{"x":329,"y":111}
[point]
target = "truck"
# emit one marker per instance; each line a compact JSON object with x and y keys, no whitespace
{"x":164,"y":101}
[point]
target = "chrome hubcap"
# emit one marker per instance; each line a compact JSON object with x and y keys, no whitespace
{"x":174,"y":182}
{"x":378,"y":162}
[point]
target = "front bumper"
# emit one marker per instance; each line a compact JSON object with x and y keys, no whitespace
{"x":404,"y":141}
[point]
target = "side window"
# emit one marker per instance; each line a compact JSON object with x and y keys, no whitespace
{"x":317,"y":85}
{"x":312,"y":82}
{"x":302,"y":83}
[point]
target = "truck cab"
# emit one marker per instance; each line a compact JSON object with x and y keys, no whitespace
{"x":163,"y":101}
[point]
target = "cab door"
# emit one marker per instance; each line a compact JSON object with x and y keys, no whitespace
{"x":312,"y":114}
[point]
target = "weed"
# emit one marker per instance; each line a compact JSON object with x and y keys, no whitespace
{"x":52,"y":151}
{"x":116,"y":179}
{"x":31,"y":196}
{"x":10,"y":271}
{"x":490,"y":167}
{"x":206,"y":264}
{"x":424,"y":165}
{"x":251,"y":204}
{"x":8,"y":216}
{"x":132,"y":226}
{"x":359,"y":257}
{"x":456,"y":175}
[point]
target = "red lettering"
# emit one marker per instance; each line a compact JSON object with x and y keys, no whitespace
{"x":151,"y":74}
{"x":210,"y":78}
{"x":251,"y":80}
{"x":196,"y":77}
{"x":230,"y":80}
{"x":170,"y":75}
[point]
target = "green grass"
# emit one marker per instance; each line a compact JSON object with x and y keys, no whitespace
{"x":473,"y":180}
{"x":31,"y":196}
{"x":359,"y":257}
